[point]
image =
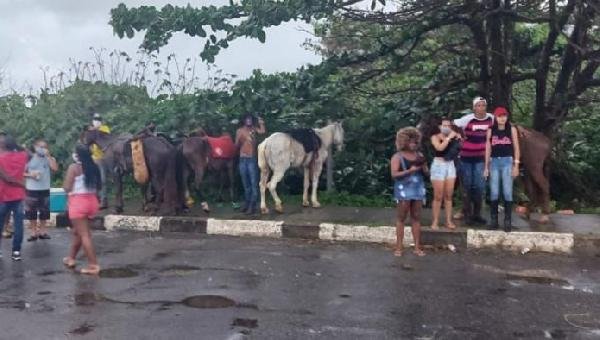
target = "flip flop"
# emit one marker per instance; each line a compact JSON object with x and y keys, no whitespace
{"x":398,"y":252}
{"x":68,"y":262}
{"x":90,"y":270}
{"x":419,"y":253}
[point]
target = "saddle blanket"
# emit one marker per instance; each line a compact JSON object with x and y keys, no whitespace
{"x":222,"y":147}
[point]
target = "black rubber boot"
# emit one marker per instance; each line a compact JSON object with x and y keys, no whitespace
{"x":467,"y":208}
{"x":508,"y":216}
{"x":252,"y":209}
{"x":493,"y":215}
{"x":477,"y":203}
{"x":245,"y":207}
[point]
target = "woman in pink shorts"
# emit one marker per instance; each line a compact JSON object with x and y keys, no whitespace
{"x":82,"y":181}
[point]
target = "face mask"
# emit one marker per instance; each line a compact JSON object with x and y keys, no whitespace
{"x":96,"y":123}
{"x":75,"y":158}
{"x":40,"y":151}
{"x":445,"y":130}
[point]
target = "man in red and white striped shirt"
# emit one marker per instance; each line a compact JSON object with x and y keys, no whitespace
{"x":472,"y":159}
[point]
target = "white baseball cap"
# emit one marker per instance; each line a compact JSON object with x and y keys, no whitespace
{"x":479,"y":99}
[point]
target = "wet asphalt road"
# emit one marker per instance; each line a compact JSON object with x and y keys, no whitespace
{"x":282,"y":289}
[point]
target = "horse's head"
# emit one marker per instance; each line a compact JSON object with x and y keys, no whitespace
{"x":89,"y":136}
{"x":338,"y":135}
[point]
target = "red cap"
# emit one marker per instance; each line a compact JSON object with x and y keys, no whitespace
{"x":500,"y":111}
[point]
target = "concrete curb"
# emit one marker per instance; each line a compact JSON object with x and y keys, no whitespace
{"x":558,"y":243}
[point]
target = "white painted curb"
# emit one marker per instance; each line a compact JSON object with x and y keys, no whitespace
{"x":383,"y":234}
{"x":518,"y":241}
{"x":137,"y":223}
{"x":244,"y":227}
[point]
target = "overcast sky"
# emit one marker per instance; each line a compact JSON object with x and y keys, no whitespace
{"x":46,"y":33}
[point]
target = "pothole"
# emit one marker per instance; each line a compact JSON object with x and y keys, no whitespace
{"x":118,"y":273}
{"x":208,"y":301}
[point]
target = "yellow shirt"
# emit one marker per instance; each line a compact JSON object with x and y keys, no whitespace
{"x":97,"y":153}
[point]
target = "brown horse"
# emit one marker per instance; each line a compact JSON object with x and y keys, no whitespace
{"x":161,"y":160}
{"x":221,"y":160}
{"x":193,"y":155}
{"x":535,"y":156}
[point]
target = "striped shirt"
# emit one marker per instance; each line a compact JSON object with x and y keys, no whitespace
{"x":475,"y":129}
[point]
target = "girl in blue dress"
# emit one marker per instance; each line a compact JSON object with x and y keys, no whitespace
{"x":408,"y":168}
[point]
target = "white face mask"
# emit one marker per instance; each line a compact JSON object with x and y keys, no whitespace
{"x":75,"y":158}
{"x":445,"y":130}
{"x":96,"y":123}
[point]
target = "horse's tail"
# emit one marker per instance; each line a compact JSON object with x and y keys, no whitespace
{"x":262,"y":157}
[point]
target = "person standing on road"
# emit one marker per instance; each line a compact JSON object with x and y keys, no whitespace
{"x":502,"y":158}
{"x":245,"y":142}
{"x":97,"y":155}
{"x":446,"y":145}
{"x":82,"y":182}
{"x":37,"y":185}
{"x":12,"y":190}
{"x":472,"y":159}
{"x":408,"y":168}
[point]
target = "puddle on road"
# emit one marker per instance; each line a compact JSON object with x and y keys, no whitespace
{"x":542,"y":280}
{"x":50,"y":273}
{"x":179,"y":270}
{"x":246,"y":323}
{"x":208,"y":301}
{"x":45,"y":292}
{"x":87,"y":299}
{"x":118,"y":273}
{"x":83,"y":329}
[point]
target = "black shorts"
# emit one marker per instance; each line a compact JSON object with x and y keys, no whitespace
{"x":37,"y":205}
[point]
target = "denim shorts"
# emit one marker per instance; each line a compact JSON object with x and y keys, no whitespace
{"x":442,"y":170}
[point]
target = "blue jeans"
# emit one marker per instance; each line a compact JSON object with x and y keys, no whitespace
{"x":472,"y":178}
{"x":501,"y":169}
{"x":17,"y":209}
{"x":249,"y":174}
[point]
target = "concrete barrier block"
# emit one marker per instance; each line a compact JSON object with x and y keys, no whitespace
{"x":244,"y":227}
{"x":517,"y":241}
{"x":137,"y":223}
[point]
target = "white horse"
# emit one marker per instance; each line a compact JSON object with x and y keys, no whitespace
{"x":280,"y":152}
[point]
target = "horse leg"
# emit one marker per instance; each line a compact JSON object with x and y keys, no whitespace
{"x":277,"y":176}
{"x":305,"y":202}
{"x":264,"y":177}
{"x":317,"y":168}
{"x":119,"y":192}
{"x":542,"y":190}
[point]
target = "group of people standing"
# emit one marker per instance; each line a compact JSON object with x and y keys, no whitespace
{"x":25,"y":182}
{"x":479,"y":146}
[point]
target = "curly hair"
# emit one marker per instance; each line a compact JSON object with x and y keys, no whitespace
{"x":405,"y":135}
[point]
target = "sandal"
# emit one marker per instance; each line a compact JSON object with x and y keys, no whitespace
{"x":90,"y":270}
{"x":398,"y":252}
{"x":419,"y":252}
{"x":44,"y":237}
{"x":69,"y":262}
{"x":451,"y":226}
{"x":32,"y":238}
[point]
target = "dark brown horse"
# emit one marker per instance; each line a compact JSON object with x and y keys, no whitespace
{"x":161,"y":160}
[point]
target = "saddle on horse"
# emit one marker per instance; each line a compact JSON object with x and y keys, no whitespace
{"x":308,"y":138}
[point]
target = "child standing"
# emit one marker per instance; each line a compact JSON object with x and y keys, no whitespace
{"x":502,"y":158}
{"x":408,"y":168}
